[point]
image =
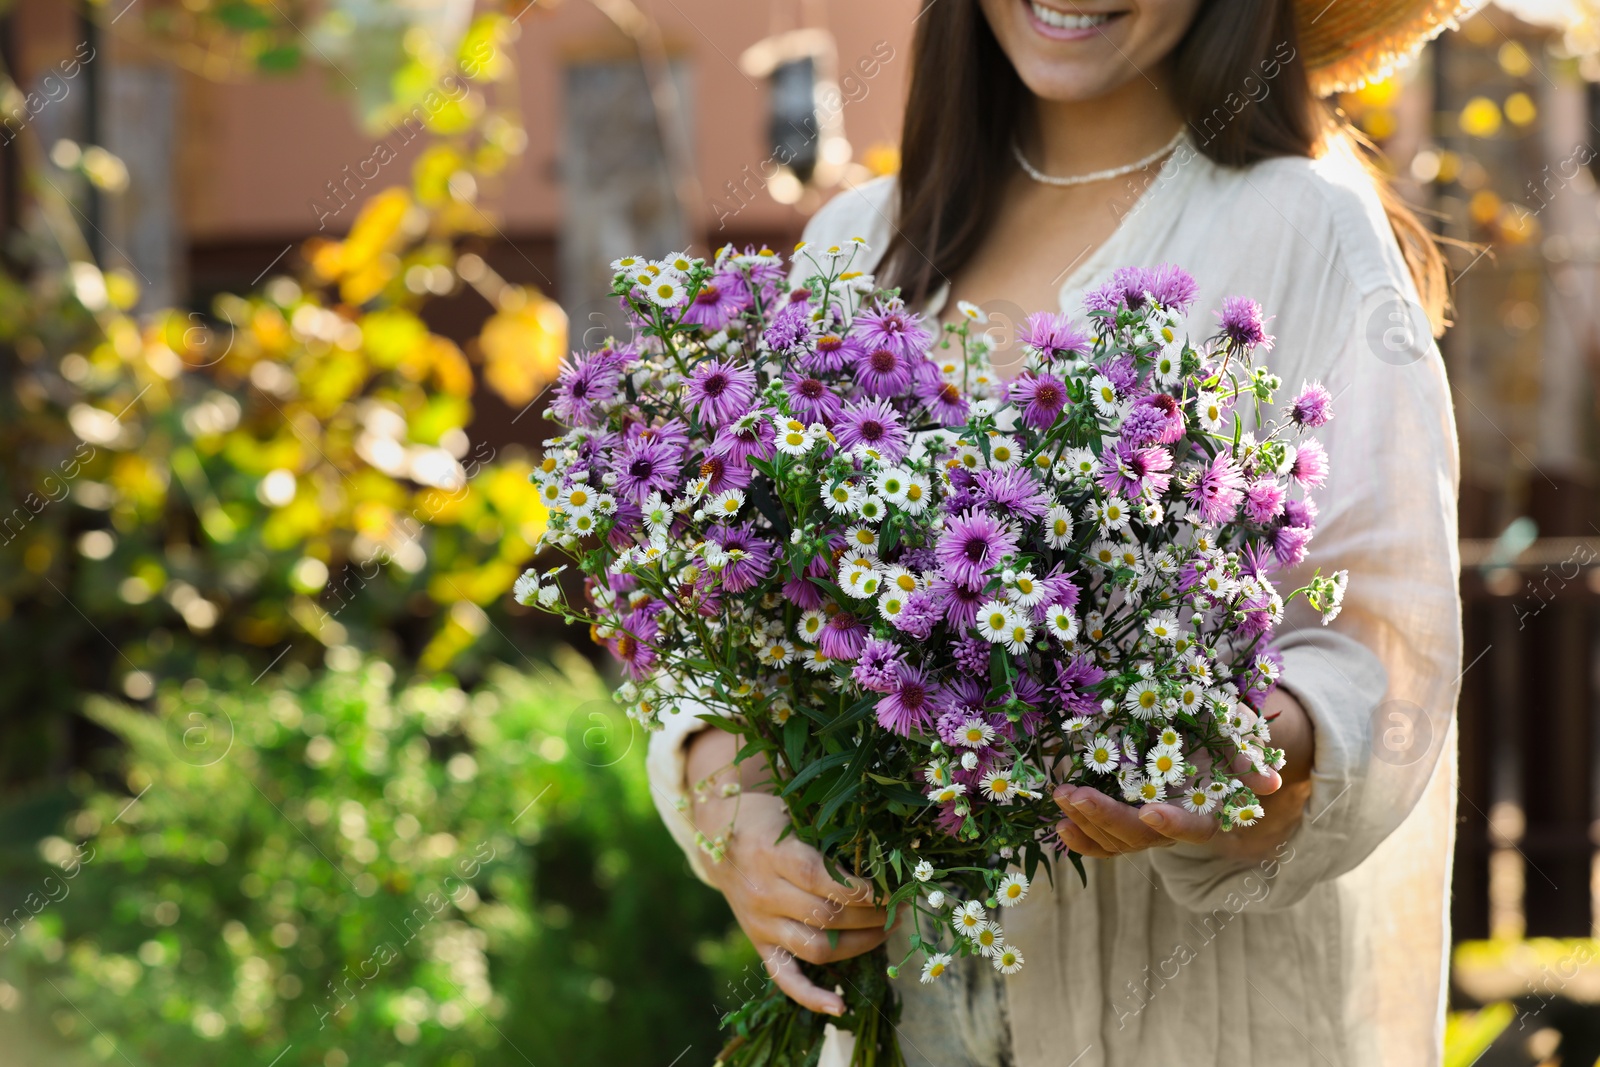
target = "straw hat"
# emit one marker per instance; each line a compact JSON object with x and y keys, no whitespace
{"x":1348,"y":43}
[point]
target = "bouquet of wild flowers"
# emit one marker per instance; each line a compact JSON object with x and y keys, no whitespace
{"x":923,"y":595}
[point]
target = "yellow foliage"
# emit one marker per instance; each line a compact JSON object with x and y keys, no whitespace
{"x":431,"y":174}
{"x":451,"y":371}
{"x":522,"y":346}
{"x":1468,"y":1034}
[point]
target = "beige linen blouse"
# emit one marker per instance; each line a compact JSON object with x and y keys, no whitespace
{"x":1333,"y":952}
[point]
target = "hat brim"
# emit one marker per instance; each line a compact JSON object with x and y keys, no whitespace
{"x":1346,"y":44}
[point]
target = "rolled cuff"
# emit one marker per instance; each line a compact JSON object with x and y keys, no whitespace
{"x":667,"y":766}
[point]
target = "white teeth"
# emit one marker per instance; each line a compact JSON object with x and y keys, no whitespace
{"x":1051,"y":17}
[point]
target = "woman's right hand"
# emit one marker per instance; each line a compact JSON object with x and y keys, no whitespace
{"x":780,"y":892}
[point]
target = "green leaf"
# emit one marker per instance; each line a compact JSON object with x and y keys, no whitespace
{"x":242,"y":16}
{"x":794,"y":739}
{"x":1077,"y":865}
{"x":853,"y":715}
{"x":284,"y":59}
{"x":814,"y":768}
{"x":838,"y":801}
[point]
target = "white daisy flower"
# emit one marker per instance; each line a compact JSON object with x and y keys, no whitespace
{"x":891,"y":484}
{"x":937,"y":772}
{"x":1168,"y":363}
{"x":891,"y":604}
{"x":1198,"y":801}
{"x":1082,"y":461}
{"x":873,"y":509}
{"x":1246,"y":814}
{"x":526,"y":588}
{"x":726,"y":504}
{"x":1169,"y":738}
{"x":1062,"y":624}
{"x":816,"y":662}
{"x":809,"y":628}
{"x":936,"y":899}
{"x":975,"y":733}
{"x":994,"y":621}
{"x":1131,"y":556}
{"x":1163,"y":626}
{"x":1013,"y":890}
{"x":777,"y":652}
{"x":1026,"y":590}
{"x":998,"y":786}
{"x":793,"y":438}
{"x":549,"y":594}
{"x":1209,"y":411}
{"x":1003,"y":451}
{"x":989,"y":939}
{"x":856,"y":573}
{"x":666,"y":290}
{"x":842,"y":499}
{"x":1008,"y":960}
{"x":1164,"y":764}
{"x":969,"y":761}
{"x":917,"y":494}
{"x":1113,"y":515}
{"x":1151,"y":513}
{"x":1130,"y":782}
{"x":934,"y":966}
{"x":1058,"y":527}
{"x":1101,"y":755}
{"x":628,"y":264}
{"x":1019,"y":634}
{"x":946,"y":793}
{"x":1104,"y":553}
{"x":581,"y":525}
{"x":1104,"y":395}
{"x":922,"y":871}
{"x":577,"y":499}
{"x":861,"y":539}
{"x":897,"y":577}
{"x":1151,"y":792}
{"x":1143,"y":699}
{"x":969,"y":917}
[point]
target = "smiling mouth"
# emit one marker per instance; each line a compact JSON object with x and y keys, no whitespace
{"x":1063,"y":21}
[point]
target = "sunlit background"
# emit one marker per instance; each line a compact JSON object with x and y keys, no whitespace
{"x":287,"y":779}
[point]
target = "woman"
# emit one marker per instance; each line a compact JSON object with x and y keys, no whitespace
{"x":1045,"y":144}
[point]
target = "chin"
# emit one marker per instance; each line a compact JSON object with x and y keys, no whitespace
{"x":1073,"y":50}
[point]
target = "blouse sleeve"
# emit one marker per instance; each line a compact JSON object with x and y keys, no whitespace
{"x":859,"y":212}
{"x":1380,"y":682}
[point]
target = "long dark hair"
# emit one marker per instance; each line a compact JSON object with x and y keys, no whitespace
{"x":966,"y":105}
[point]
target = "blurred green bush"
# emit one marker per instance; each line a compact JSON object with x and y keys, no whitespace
{"x":339,"y":869}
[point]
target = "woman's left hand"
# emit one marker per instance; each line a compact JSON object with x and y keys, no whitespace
{"x":1099,"y":826}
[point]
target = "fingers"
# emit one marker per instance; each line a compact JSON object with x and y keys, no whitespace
{"x":813,"y":946}
{"x":785,"y":899}
{"x":1172,"y":822}
{"x":1112,"y":825}
{"x":802,"y":865}
{"x":1264,"y":782}
{"x":1080,"y":842}
{"x":785,"y":971}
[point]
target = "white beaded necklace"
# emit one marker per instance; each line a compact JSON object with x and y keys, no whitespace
{"x":1094,"y":176}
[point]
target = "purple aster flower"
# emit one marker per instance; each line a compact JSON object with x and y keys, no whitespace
{"x":919,"y":616}
{"x":1242,"y":323}
{"x":973,"y":543}
{"x":831,"y":353}
{"x":909,"y":704}
{"x":1015,"y":491}
{"x":749,"y":557}
{"x":1075,"y":686}
{"x":722,"y":473}
{"x":810,"y":399}
{"x":878,"y":665}
{"x":801,"y":592}
{"x":632,"y":643}
{"x":646,"y":465}
{"x":1123,"y":373}
{"x":672,"y":433}
{"x":626,"y":522}
{"x":1217,"y":490}
{"x":722,"y":297}
{"x":584,"y":382}
{"x":1300,"y":512}
{"x":873,"y":424}
{"x":1052,"y":335}
{"x":891,"y":326}
{"x":1289,"y":544}
{"x":720,"y":392}
{"x":1313,"y":407}
{"x":1171,"y":285}
{"x":1041,"y":398}
{"x":842,"y":636}
{"x":790,"y":327}
{"x":945,"y":403}
{"x":883,"y":372}
{"x":1263,"y":500}
{"x":958,"y":602}
{"x":1153,"y":420}
{"x":1134,"y":472}
{"x":1310,"y":463}
{"x":1057,"y":589}
{"x":749,"y":436}
{"x":918,"y":559}
{"x":971,"y":656}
